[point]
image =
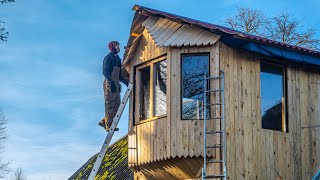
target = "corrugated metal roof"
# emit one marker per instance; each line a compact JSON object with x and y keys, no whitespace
{"x":223,"y":30}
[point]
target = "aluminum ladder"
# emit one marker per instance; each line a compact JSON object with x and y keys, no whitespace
{"x":221,"y":131}
{"x":114,"y":124}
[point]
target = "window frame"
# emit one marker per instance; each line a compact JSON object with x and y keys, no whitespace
{"x":284,"y":119}
{"x":181,"y":80}
{"x":151,"y":63}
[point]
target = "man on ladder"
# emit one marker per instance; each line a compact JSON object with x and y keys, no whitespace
{"x":113,"y":73}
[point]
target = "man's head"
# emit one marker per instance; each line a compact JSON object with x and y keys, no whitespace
{"x":114,"y":47}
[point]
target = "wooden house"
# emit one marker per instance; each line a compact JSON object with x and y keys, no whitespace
{"x":271,"y":101}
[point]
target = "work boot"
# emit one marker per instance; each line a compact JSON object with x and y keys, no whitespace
{"x":109,"y":126}
{"x":103,"y":124}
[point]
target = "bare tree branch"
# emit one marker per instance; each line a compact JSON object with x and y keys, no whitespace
{"x":287,"y":29}
{"x":4,"y":165}
{"x":247,"y":20}
{"x":18,"y":174}
{"x":283,"y":27}
{"x":6,"y":1}
{"x":3,"y":33}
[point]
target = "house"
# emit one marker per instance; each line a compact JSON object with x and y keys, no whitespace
{"x":270,"y":110}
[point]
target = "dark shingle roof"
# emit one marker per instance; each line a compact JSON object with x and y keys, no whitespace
{"x":114,"y":165}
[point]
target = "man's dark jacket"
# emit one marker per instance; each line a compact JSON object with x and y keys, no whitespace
{"x":109,"y":62}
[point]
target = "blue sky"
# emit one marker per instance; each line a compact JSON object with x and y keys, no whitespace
{"x":50,"y":72}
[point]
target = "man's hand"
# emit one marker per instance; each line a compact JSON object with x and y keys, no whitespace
{"x":113,"y":86}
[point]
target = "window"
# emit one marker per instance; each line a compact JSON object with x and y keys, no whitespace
{"x":160,"y":88}
{"x":151,"y":89}
{"x":273,"y":97}
{"x":193,"y":67}
{"x":145,"y":93}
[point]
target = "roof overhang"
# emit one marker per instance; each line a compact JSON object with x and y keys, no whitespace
{"x":235,"y":38}
{"x":230,"y":37}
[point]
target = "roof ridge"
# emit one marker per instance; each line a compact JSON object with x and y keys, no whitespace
{"x":224,"y":30}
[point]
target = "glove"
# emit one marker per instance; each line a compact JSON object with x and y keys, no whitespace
{"x":113,"y":86}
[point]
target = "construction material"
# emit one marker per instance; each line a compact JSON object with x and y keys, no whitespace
{"x":110,"y":133}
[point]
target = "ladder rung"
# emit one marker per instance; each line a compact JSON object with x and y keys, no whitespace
{"x":215,"y":161}
{"x":214,"y":104}
{"x":215,"y":176}
{"x":214,"y":77}
{"x":216,"y":146}
{"x":215,"y":90}
{"x":214,"y":132}
{"x":214,"y":118}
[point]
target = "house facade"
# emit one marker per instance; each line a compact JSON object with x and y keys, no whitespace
{"x":271,"y":101}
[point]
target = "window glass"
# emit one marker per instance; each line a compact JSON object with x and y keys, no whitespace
{"x":193,"y":69}
{"x":144,"y":93}
{"x":160,"y":88}
{"x":272,"y":97}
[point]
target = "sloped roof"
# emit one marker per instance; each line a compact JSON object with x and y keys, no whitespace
{"x":220,"y":29}
{"x":114,"y":165}
{"x":230,"y":37}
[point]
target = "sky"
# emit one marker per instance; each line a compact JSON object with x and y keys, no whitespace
{"x":50,"y":72}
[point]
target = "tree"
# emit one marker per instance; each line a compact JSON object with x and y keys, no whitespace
{"x":4,"y":169}
{"x":18,"y":174}
{"x":283,"y":27}
{"x":247,"y":20}
{"x":287,"y":29}
{"x":3,"y":33}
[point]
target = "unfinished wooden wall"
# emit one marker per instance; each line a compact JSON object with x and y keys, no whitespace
{"x":187,"y":135}
{"x":256,"y":153}
{"x":144,"y":141}
{"x":168,"y":137}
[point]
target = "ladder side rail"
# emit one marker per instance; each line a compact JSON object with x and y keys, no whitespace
{"x":114,"y":124}
{"x":223,"y":128}
{"x":204,"y":127}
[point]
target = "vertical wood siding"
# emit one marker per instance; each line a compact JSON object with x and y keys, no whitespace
{"x":256,"y":153}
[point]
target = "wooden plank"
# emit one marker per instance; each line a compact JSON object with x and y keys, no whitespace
{"x":172,"y":38}
{"x":191,"y":138}
{"x":177,"y":102}
{"x":184,"y":33}
{"x":149,"y":141}
{"x":157,"y":31}
{"x":195,"y":32}
{"x":211,"y":39}
{"x":165,"y":134}
{"x":148,"y":23}
{"x":167,"y":34}
{"x":152,"y":151}
{"x":185,"y":138}
{"x":228,"y":67}
{"x":203,"y":39}
{"x":186,"y":36}
{"x":168,"y":124}
{"x":305,"y":142}
{"x":173,"y":101}
{"x":161,"y":137}
{"x":296,"y":106}
{"x":155,"y":35}
{"x":258,"y":132}
{"x":157,"y":24}
{"x":247,"y":125}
